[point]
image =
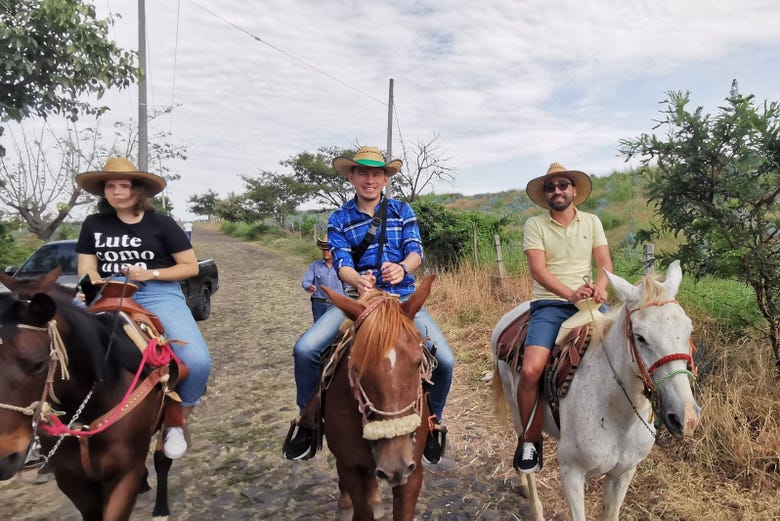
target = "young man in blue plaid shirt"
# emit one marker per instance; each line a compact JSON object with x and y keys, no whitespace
{"x":401,"y":255}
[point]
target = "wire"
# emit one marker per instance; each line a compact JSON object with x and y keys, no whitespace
{"x":175,"y":58}
{"x":282,"y":51}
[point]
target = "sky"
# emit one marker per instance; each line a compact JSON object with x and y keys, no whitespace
{"x":509,"y":86}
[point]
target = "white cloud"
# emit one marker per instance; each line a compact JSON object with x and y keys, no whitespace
{"x":509,"y":86}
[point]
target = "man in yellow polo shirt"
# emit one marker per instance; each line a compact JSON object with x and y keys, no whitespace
{"x":561,"y":246}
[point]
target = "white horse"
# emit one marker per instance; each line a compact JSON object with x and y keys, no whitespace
{"x":606,"y":418}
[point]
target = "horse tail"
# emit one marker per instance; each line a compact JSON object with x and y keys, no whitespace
{"x":500,"y":404}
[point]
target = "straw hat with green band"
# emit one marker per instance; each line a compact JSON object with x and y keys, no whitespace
{"x":366,"y":156}
{"x":581,"y":181}
{"x":119,"y":168}
{"x":323,"y":243}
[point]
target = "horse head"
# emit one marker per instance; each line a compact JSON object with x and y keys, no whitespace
{"x":659,"y":332}
{"x":25,"y":358}
{"x":387,"y":368}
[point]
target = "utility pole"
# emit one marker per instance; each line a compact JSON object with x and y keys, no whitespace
{"x":388,"y":190}
{"x":143,"y":157}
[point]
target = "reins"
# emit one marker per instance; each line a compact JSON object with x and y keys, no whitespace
{"x":644,"y":374}
{"x":396,"y":425}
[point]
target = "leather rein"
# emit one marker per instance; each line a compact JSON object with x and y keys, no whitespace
{"x":396,"y":425}
{"x":645,"y":374}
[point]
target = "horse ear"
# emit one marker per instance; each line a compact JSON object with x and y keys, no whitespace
{"x":41,"y":309}
{"x":673,"y":278}
{"x":415,"y":302}
{"x":626,"y":291}
{"x":350,"y":307}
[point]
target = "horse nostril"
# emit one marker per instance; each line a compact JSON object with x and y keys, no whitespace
{"x":411,"y":468}
{"x":674,"y":424}
{"x":381,"y":474}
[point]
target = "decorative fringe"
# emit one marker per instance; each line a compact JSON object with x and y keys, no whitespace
{"x":380,"y":429}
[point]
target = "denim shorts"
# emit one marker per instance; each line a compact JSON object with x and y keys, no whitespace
{"x":546,"y":319}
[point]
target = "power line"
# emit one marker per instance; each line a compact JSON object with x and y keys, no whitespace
{"x":282,"y":51}
{"x":175,"y":58}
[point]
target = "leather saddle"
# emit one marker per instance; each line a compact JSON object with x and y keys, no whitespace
{"x":563,"y":363}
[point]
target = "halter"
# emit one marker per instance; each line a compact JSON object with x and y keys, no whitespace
{"x":644,"y":374}
{"x":57,"y":356}
{"x":398,"y":425}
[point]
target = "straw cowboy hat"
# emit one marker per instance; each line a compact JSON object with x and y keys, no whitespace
{"x":366,"y":156}
{"x":581,"y":180}
{"x":588,"y":313}
{"x":323,"y":243}
{"x":119,"y":168}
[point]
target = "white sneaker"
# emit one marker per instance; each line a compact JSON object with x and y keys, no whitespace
{"x":175,"y":445}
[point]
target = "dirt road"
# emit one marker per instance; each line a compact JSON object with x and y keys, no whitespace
{"x":234,"y":469}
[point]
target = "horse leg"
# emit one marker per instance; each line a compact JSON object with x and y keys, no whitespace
{"x":122,"y":495}
{"x":355,"y":483}
{"x":375,"y":499}
{"x":162,"y":464}
{"x":405,"y":496}
{"x":533,"y":496}
{"x":573,"y":483}
{"x":86,"y":495}
{"x":345,"y":505}
{"x":615,"y":488}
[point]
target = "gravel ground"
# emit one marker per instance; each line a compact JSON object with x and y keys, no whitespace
{"x":234,"y":469}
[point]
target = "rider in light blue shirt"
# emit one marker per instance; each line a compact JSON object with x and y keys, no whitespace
{"x":321,"y":273}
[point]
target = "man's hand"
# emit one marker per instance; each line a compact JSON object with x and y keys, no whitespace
{"x":583,"y":292}
{"x":365,"y":282}
{"x":392,"y":272}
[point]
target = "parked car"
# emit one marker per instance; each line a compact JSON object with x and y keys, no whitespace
{"x":197,"y":290}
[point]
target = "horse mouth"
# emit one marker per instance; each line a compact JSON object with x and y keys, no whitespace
{"x":10,"y":465}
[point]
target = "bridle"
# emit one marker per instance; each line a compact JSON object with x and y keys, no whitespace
{"x":399,"y":423}
{"x":645,"y":375}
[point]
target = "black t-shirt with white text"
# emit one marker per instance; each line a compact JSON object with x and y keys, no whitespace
{"x":149,"y":243}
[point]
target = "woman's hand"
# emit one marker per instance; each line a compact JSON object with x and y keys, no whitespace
{"x":137,"y":273}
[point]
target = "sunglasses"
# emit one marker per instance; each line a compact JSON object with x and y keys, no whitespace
{"x":560,"y":185}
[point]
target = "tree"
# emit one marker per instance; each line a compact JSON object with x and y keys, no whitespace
{"x":715,"y":183}
{"x":203,"y":204}
{"x":36,"y":177}
{"x":276,"y":195}
{"x":316,"y":170}
{"x":429,"y":166}
{"x":53,"y":52}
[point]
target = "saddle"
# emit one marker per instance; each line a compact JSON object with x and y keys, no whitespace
{"x":563,"y":363}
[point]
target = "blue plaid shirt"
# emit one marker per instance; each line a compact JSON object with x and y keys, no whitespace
{"x":348,"y":225}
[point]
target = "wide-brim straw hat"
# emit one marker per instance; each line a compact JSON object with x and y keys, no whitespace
{"x":119,"y":168}
{"x":323,"y":243}
{"x":366,"y":156}
{"x":581,"y":180}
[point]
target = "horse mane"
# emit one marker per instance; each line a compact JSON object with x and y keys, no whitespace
{"x":87,"y":338}
{"x":379,"y":332}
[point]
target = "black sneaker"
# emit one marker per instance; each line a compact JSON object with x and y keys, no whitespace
{"x":435,"y":443}
{"x":299,"y":444}
{"x":528,"y":457}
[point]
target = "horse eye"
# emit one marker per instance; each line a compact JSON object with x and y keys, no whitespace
{"x":34,"y":368}
{"x":641,"y":339}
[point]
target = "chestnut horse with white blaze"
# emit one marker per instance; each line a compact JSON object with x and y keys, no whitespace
{"x":375,"y":410}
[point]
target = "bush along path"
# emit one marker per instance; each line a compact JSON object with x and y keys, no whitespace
{"x":234,"y":468}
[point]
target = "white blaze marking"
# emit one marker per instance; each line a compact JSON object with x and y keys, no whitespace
{"x":391,"y":356}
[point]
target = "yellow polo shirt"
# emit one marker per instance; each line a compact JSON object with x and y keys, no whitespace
{"x":568,"y":249}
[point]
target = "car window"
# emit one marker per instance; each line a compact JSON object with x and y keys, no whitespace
{"x":48,"y":257}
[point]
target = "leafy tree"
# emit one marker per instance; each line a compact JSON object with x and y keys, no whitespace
{"x":715,"y":182}
{"x":203,"y":204}
{"x":428,"y":167}
{"x":447,"y":234}
{"x":316,"y":170}
{"x":236,"y":208}
{"x":275,"y":195}
{"x":37,"y":176}
{"x":51,"y":53}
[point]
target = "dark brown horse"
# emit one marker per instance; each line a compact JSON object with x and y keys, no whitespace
{"x":91,"y":366}
{"x":375,"y":412}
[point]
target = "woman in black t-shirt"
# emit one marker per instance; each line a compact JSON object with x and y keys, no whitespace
{"x":128,"y":239}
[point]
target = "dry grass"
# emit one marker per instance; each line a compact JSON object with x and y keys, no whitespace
{"x":729,"y":470}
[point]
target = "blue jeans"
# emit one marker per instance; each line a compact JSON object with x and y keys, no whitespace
{"x":318,"y":308}
{"x":166,"y":300}
{"x":310,"y":346}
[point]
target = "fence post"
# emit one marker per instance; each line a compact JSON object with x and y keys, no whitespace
{"x":474,"y":244}
{"x":648,"y":256}
{"x":500,"y":259}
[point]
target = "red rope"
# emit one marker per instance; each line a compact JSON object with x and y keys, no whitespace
{"x":670,"y":358}
{"x":54,"y":427}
